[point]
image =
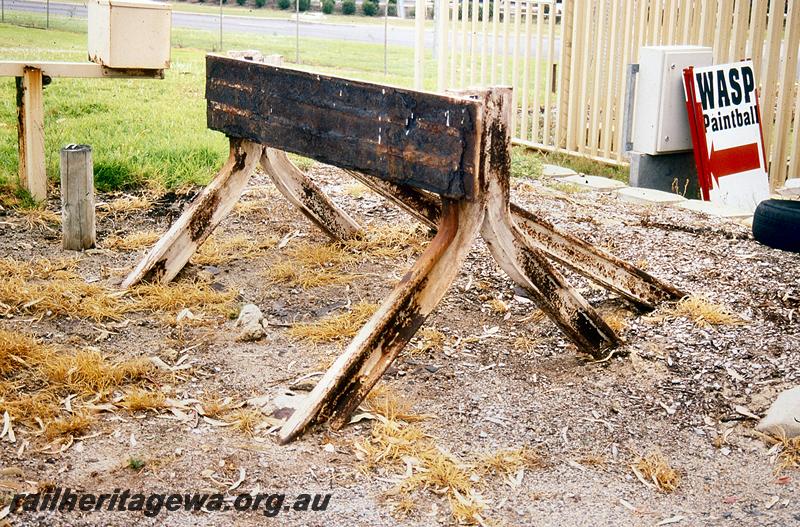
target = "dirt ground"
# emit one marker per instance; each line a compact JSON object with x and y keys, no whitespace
{"x":503,"y":377}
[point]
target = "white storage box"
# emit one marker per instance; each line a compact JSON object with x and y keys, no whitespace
{"x":130,"y":33}
{"x":661,"y":125}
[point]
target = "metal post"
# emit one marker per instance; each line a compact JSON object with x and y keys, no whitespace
{"x":220,"y":25}
{"x":297,"y":32}
{"x":386,"y":41}
{"x":435,"y":29}
{"x":419,"y":44}
{"x":2,"y":11}
{"x":47,"y":19}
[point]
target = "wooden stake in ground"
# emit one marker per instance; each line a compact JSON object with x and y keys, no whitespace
{"x":77,"y":198}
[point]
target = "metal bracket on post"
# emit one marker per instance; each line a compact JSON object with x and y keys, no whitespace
{"x":630,"y":97}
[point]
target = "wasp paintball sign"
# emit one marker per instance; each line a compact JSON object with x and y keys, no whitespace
{"x":725,"y":121}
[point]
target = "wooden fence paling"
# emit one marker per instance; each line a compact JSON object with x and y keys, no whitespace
{"x":627,"y":57}
{"x":551,"y":48}
{"x":794,"y":166}
{"x":526,"y":73}
{"x":738,"y":42}
{"x":538,"y":72}
{"x":612,"y":77}
{"x":769,"y":76}
{"x":484,"y":40}
{"x":564,"y":83}
{"x":599,"y":65}
{"x":758,"y":24}
{"x":515,"y":67}
{"x":780,"y":139}
{"x":441,"y":39}
{"x":573,"y":116}
{"x":473,"y":47}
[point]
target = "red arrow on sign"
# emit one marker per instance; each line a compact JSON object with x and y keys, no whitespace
{"x":734,"y":160}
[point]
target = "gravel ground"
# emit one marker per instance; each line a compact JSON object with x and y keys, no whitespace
{"x":674,"y":387}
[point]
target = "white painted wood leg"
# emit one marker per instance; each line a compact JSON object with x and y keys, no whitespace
{"x":376,"y":345}
{"x":306,"y":196}
{"x":176,"y":247}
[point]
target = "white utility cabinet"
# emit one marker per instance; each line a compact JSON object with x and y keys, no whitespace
{"x":661,"y":125}
{"x":130,"y":33}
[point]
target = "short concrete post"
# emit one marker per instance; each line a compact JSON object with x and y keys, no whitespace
{"x":77,"y":197}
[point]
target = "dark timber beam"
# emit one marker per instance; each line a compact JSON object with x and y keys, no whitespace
{"x":403,"y":136}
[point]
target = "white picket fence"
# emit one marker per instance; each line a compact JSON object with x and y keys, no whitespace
{"x":567,"y":62}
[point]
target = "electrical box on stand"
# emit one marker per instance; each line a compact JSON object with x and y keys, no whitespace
{"x":661,"y":125}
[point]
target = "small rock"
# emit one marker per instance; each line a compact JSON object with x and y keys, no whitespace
{"x":329,"y":448}
{"x":783,"y":417}
{"x":250,"y":321}
{"x":185,"y":314}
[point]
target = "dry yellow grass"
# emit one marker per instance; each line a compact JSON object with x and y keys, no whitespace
{"x":309,"y":265}
{"x":216,"y":251}
{"x":87,"y":372}
{"x":252,"y":207}
{"x":390,"y":241}
{"x":655,"y":467}
{"x":356,"y":190}
{"x":126,"y":204}
{"x":789,"y":451}
{"x":398,"y":445}
{"x":216,"y":406}
{"x":508,"y":462}
{"x":54,"y":288}
{"x":289,"y":272}
{"x":132,"y":242}
{"x":430,"y":339}
{"x":139,"y":399}
{"x":197,"y":295}
{"x":334,"y":328}
{"x":705,"y":313}
{"x":384,"y":402}
{"x":525,"y":344}
{"x":37,"y":379}
{"x":39,"y":218}
{"x":246,"y":420}
{"x":74,"y":425}
{"x":498,"y":306}
{"x":617,"y":320}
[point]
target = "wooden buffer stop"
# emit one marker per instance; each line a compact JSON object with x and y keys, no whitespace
{"x":445,"y":159}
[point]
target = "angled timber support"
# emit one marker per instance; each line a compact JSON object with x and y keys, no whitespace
{"x":176,"y":247}
{"x":306,"y":196}
{"x":348,"y":381}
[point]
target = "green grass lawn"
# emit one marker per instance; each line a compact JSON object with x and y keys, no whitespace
{"x":152,"y":133}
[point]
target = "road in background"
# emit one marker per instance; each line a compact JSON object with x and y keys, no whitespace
{"x":369,"y":33}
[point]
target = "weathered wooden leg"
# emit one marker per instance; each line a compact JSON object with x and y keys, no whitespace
{"x":306,"y":196}
{"x":529,"y":268}
{"x":376,"y":345}
{"x":526,"y":265}
{"x":176,"y":247}
{"x":419,"y":204}
{"x":640,"y":288}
